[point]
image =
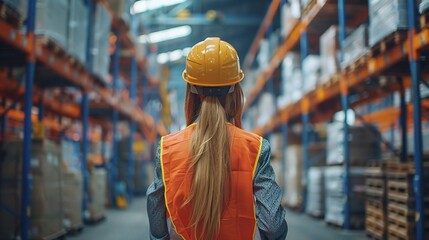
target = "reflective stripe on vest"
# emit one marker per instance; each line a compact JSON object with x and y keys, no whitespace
{"x":238,"y":218}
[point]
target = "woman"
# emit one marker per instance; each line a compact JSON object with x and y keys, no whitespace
{"x":214,"y":180}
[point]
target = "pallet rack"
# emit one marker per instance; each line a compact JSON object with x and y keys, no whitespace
{"x":319,"y":104}
{"x":45,"y":68}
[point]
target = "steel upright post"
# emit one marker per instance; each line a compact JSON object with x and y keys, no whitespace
{"x":305,"y":120}
{"x":29,"y":78}
{"x":403,"y":122}
{"x":418,"y":145}
{"x":285,"y":130}
{"x":115,"y":118}
{"x":133,"y":127}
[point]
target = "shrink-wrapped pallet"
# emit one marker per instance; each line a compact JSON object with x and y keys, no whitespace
{"x":77,"y":30}
{"x":329,"y":46}
{"x":424,"y":6}
{"x":355,"y":45}
{"x":293,"y":176}
{"x":97,"y":190}
{"x":335,"y":196}
{"x":72,"y":188}
{"x":52,"y":20}
{"x":386,"y":17}
{"x":100,"y":51}
{"x":315,"y":204}
{"x":310,"y":72}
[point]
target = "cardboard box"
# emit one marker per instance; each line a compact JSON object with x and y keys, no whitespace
{"x":72,"y":189}
{"x":97,"y":189}
{"x":294,"y":176}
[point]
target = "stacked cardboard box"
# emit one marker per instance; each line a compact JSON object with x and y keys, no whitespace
{"x":97,"y":190}
{"x":100,"y":51}
{"x":386,"y":17}
{"x":52,"y":20}
{"x":72,"y":188}
{"x":375,"y":203}
{"x":355,"y":45}
{"x":329,"y":46}
{"x":77,"y":30}
{"x":335,"y":196}
{"x":315,"y":205}
{"x":363,"y":144}
{"x":45,"y":199}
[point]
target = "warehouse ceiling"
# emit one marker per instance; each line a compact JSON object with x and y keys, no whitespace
{"x":235,"y":21}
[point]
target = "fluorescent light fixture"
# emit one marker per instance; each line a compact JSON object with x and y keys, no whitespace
{"x":186,"y":51}
{"x":175,"y":55}
{"x":147,"y":5}
{"x":162,"y":58}
{"x":167,"y":34}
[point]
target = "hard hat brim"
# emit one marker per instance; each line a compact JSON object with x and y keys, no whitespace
{"x":195,"y":82}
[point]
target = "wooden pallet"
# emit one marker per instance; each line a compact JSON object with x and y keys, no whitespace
{"x":52,"y":45}
{"x":75,"y":63}
{"x":331,"y":81}
{"x":56,"y":236}
{"x":375,"y":219}
{"x":11,"y":15}
{"x":397,"y":229}
{"x":389,"y":41}
{"x":360,"y":62}
{"x":375,"y":187}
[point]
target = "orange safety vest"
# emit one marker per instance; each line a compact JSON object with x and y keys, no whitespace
{"x":238,"y":218}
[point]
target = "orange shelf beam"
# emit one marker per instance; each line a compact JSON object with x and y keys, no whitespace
{"x":373,"y":67}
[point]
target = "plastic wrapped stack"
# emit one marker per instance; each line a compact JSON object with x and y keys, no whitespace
{"x":355,"y":45}
{"x":311,"y":72}
{"x":364,"y":145}
{"x":424,"y":6}
{"x":329,"y":46}
{"x":45,"y":200}
{"x":97,"y":190}
{"x":291,"y":77}
{"x":315,"y":205}
{"x":266,"y":106}
{"x":78,"y":30}
{"x":52,"y":20}
{"x":100,"y":51}
{"x":335,"y":196}
{"x":293,"y":176}
{"x":290,"y":14}
{"x":386,"y":17}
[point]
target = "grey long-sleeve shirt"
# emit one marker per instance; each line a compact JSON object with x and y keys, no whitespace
{"x":270,"y":216}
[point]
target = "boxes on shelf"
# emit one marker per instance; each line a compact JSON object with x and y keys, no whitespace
{"x":100,"y":51}
{"x":424,"y":6}
{"x":263,"y":57}
{"x":20,"y":6}
{"x":291,"y":80}
{"x":121,"y":8}
{"x":364,"y":144}
{"x":386,"y":17}
{"x":266,"y":106}
{"x":335,"y":196}
{"x":355,"y":45}
{"x":97,"y":190}
{"x":290,"y":14}
{"x":293,"y":176}
{"x":72,"y":188}
{"x":315,"y":205}
{"x":77,"y":30}
{"x":317,"y":154}
{"x":52,"y":21}
{"x":310,"y":72}
{"x":375,"y":203}
{"x":329,"y":46}
{"x":45,"y":199}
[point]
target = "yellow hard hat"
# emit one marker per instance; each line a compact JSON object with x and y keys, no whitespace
{"x":213,"y":63}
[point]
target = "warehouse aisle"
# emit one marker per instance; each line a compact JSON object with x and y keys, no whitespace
{"x":132,"y":223}
{"x":129,"y":224}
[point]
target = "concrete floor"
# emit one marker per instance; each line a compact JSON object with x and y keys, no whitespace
{"x":132,"y":224}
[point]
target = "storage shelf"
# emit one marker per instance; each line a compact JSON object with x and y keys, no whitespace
{"x":53,"y":69}
{"x":371,"y":67}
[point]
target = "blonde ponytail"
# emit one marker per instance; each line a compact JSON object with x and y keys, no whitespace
{"x":210,"y":154}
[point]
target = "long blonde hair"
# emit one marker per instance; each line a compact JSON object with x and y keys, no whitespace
{"x":210,"y":152}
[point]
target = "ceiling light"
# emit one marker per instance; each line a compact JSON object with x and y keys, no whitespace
{"x":147,"y":5}
{"x":175,"y":55}
{"x":168,"y":34}
{"x":162,"y":58}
